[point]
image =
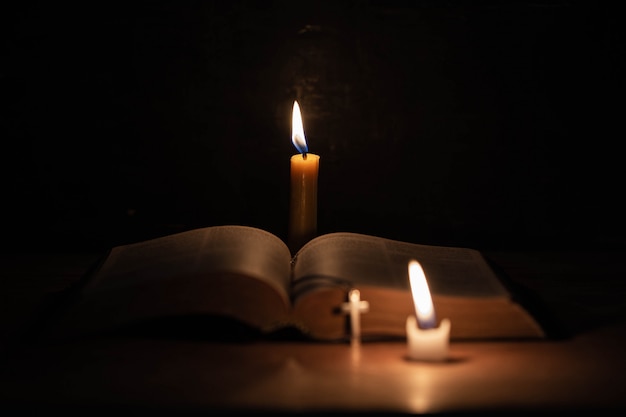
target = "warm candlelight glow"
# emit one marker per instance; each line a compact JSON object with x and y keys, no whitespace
{"x":297,"y":130}
{"x":421,"y":296}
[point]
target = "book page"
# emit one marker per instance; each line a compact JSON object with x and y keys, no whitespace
{"x":201,"y":252}
{"x":370,"y":260}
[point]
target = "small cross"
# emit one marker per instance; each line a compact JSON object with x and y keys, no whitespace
{"x":355,"y":307}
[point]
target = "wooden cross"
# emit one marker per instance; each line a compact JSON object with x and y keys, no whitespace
{"x":355,"y":307}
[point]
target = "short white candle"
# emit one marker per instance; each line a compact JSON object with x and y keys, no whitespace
{"x":426,"y":341}
{"x":430,"y":344}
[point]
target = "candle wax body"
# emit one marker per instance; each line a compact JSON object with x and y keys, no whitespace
{"x":427,"y":344}
{"x":303,"y":203}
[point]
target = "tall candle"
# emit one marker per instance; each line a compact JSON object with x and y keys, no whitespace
{"x":303,"y":200}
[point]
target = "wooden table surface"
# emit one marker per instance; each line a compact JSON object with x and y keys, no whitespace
{"x":584,"y":371}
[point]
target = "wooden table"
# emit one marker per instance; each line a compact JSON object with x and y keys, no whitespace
{"x":586,"y":371}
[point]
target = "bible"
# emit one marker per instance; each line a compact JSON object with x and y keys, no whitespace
{"x":248,"y":276}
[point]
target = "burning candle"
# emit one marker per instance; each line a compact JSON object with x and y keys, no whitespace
{"x":304,"y":172}
{"x":426,"y":341}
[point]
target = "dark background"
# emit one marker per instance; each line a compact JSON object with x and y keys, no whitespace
{"x":497,"y":125}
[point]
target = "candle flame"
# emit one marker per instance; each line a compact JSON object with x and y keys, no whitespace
{"x":297,"y":130}
{"x":421,"y":295}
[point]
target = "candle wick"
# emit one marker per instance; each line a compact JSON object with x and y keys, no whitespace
{"x":304,"y":155}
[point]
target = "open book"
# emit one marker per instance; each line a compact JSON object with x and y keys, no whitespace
{"x":249,"y":276}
